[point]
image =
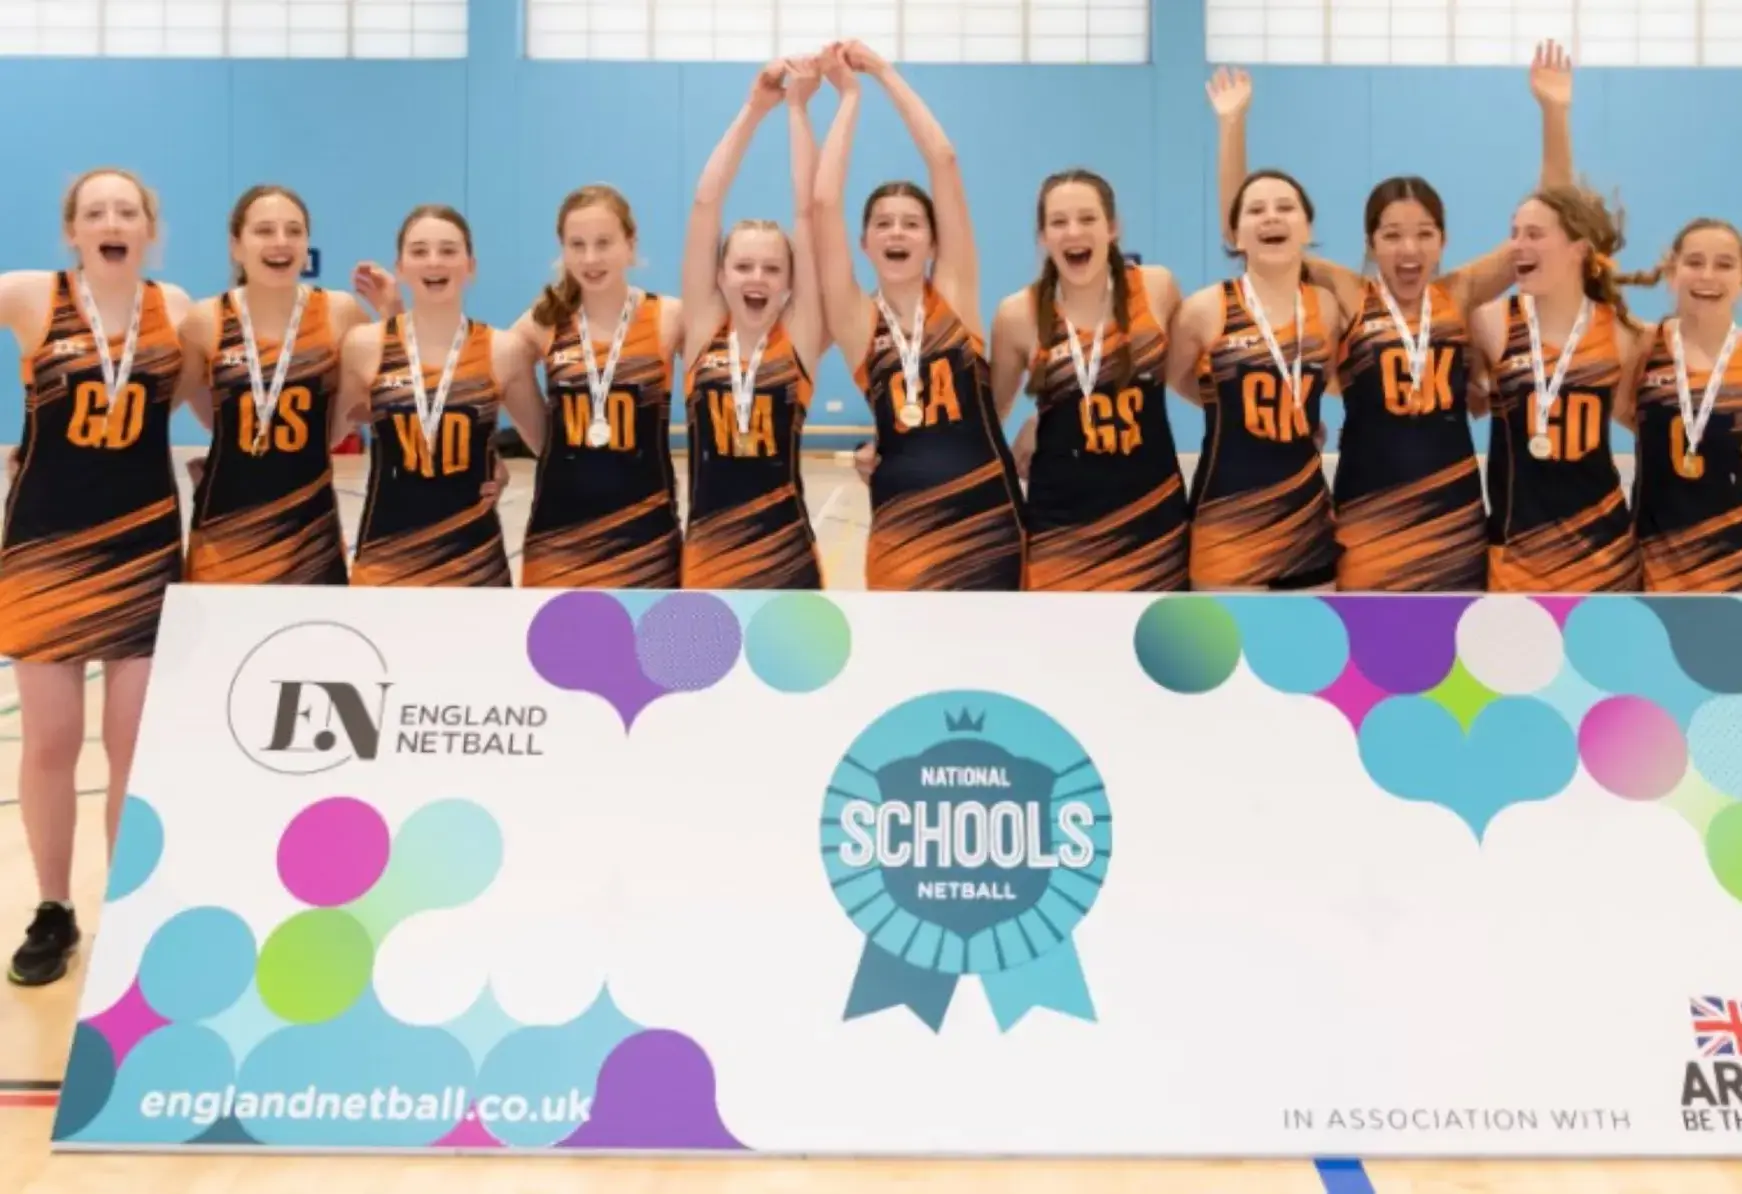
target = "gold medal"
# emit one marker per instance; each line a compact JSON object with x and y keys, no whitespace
{"x":1540,"y":447}
{"x":910,"y":415}
{"x":741,"y":445}
{"x":598,"y":435}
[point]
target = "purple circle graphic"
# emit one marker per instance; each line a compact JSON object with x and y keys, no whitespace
{"x":585,"y":642}
{"x":1402,"y":644}
{"x":655,"y":1090}
{"x":333,"y":852}
{"x":688,"y":642}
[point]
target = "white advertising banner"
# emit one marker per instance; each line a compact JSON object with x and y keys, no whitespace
{"x":1270,"y":875}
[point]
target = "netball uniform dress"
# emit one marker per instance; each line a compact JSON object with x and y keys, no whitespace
{"x":1560,"y":524}
{"x":264,"y":509}
{"x":1106,"y":502}
{"x":1261,"y":511}
{"x":1408,"y":491}
{"x":1688,"y":506}
{"x":605,"y":515}
{"x":424,"y":521}
{"x":946,"y":503}
{"x":748,"y":527}
{"x":93,"y":520}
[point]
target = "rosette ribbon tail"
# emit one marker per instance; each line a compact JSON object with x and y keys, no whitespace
{"x":885,"y":981}
{"x":1054,"y":980}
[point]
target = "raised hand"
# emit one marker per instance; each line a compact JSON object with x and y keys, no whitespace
{"x":1230,"y":92}
{"x":836,"y":69}
{"x":864,"y":59}
{"x":804,"y":76}
{"x":374,"y":285}
{"x":1551,"y":75}
{"x":769,"y":87}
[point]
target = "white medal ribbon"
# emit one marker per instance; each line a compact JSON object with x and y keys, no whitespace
{"x":1548,"y":391}
{"x":1417,"y":344}
{"x":599,"y":384}
{"x":266,"y":401}
{"x":908,"y":349}
{"x":744,"y":380}
{"x":115,"y":379}
{"x":429,"y":414}
{"x":1291,"y":375}
{"x":1695,"y":424}
{"x":1088,"y":372}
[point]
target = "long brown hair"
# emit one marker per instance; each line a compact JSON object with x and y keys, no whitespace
{"x":239,"y":214}
{"x":901,"y":189}
{"x":1239,"y":201}
{"x":435,"y":211}
{"x":560,"y":301}
{"x":1584,"y":216}
{"x":1045,"y":287}
{"x":1653,"y":276}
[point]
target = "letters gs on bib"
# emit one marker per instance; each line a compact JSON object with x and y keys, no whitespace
{"x":967,"y":833}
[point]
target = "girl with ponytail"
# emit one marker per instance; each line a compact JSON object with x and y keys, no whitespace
{"x":1106,"y":502}
{"x":1560,"y":353}
{"x":1687,"y":500}
{"x":604,"y":507}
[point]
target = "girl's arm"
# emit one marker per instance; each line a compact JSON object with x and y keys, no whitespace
{"x":1635,"y":345}
{"x":1551,"y":82}
{"x":1230,"y":92}
{"x":521,"y":399}
{"x":1197,"y":327}
{"x":359,"y":358}
{"x":703,"y":307}
{"x":956,"y":270}
{"x":846,"y":308}
{"x":197,"y":333}
{"x":1012,"y":344}
{"x":804,"y":312}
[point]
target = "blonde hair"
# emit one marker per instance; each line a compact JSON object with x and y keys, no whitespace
{"x":147,"y":197}
{"x":1584,"y":216}
{"x":756,"y":226}
{"x":1654,"y":275}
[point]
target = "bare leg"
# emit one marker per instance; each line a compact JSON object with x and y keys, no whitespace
{"x":124,"y":682}
{"x":51,"y":700}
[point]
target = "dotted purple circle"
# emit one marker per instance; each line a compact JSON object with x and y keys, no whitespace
{"x":688,"y":641}
{"x":333,"y":852}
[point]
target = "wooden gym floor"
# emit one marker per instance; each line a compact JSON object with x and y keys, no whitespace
{"x":35,"y":1027}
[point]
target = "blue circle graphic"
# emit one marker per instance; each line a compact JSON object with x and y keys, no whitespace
{"x":966,"y":832}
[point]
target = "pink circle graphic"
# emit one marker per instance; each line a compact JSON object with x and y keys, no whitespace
{"x":1633,"y":748}
{"x":333,"y":852}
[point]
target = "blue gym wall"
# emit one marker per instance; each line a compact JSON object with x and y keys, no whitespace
{"x":504,"y":138}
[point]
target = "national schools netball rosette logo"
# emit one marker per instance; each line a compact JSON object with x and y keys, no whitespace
{"x":967,"y":833}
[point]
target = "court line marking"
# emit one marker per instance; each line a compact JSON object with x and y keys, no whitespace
{"x":81,"y":794}
{"x":18,"y":1101}
{"x":29,"y":1085}
{"x":1343,"y":1175}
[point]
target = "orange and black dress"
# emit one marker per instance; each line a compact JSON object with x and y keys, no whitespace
{"x":93,"y":518}
{"x":264,"y":509}
{"x":946,"y":503}
{"x":1106,"y":502}
{"x":1559,"y":524}
{"x":1261,"y":511}
{"x":605,"y":515}
{"x":748,"y":526}
{"x":425,"y":520}
{"x":1408,"y":490}
{"x":1688,"y":505}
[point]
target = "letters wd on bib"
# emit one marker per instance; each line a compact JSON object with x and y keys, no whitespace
{"x":919,"y":874}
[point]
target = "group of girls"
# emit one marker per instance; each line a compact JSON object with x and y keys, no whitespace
{"x":281,"y":371}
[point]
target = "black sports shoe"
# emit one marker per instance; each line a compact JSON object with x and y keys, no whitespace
{"x":48,"y":946}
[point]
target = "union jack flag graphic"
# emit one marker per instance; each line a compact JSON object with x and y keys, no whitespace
{"x":1717,"y":1026}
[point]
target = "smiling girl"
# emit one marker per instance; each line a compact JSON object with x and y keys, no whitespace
{"x":753,"y":334}
{"x":945,"y":498}
{"x":1408,"y":488}
{"x":431,"y":382}
{"x":1687,"y":480}
{"x":1253,"y":351}
{"x":604,"y":509}
{"x":262,"y":372}
{"x":92,"y":534}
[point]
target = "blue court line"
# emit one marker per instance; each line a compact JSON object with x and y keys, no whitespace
{"x":1343,"y":1175}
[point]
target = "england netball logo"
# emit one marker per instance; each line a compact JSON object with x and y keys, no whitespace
{"x":967,"y":833}
{"x":310,"y":698}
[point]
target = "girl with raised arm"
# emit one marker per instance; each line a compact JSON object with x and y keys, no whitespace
{"x":945,"y":499}
{"x":1106,"y":502}
{"x":1408,"y":489}
{"x":1254,"y":352}
{"x":604,"y":507}
{"x":261,"y":370}
{"x":753,"y":336}
{"x":431,"y":383}
{"x":92,"y":535}
{"x":1560,"y":353}
{"x":1687,"y":499}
